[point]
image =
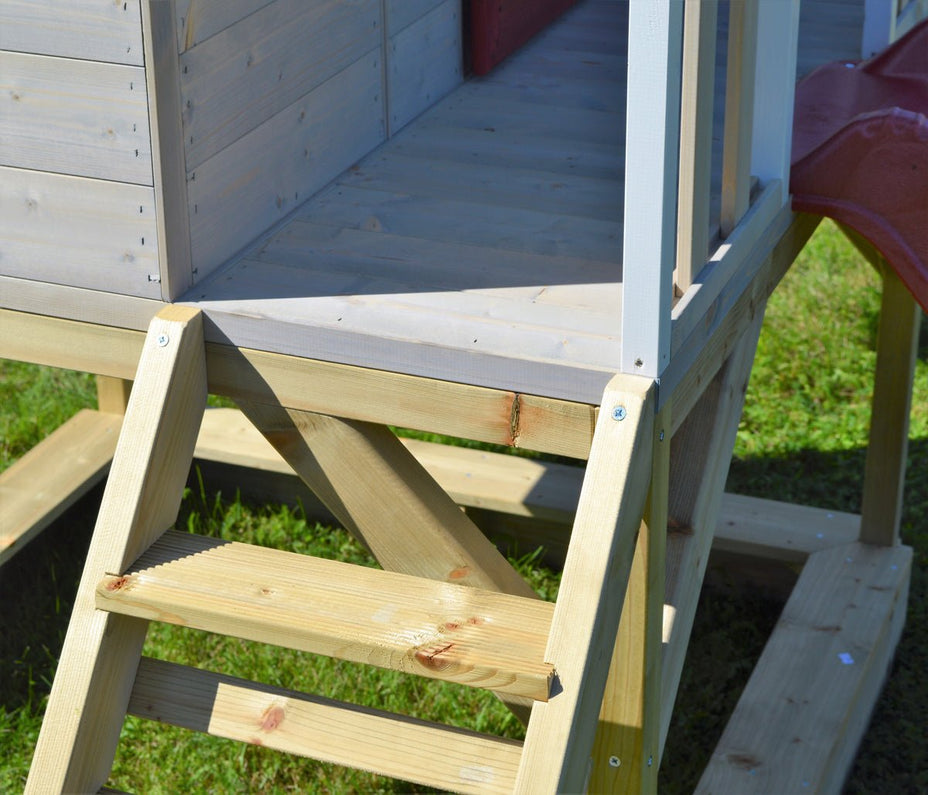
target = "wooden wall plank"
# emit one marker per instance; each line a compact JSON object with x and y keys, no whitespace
{"x":82,"y":232}
{"x":247,"y":187}
{"x":424,"y":63}
{"x":198,"y":20}
{"x":251,"y":71}
{"x":401,"y":13}
{"x":93,"y":30}
{"x":75,"y":117}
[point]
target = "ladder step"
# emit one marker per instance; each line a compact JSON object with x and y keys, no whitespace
{"x":434,"y":629}
{"x":381,"y":742}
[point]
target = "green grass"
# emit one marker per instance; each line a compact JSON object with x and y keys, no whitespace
{"x":802,"y":439}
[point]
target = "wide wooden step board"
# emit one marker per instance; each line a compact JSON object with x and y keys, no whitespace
{"x":438,"y":630}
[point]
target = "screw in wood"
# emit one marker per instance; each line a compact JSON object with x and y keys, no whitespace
{"x":619,"y":413}
{"x":163,"y":339}
{"x":614,"y":761}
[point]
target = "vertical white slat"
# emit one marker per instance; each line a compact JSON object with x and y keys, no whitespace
{"x":696,"y":117}
{"x":879,"y":24}
{"x":774,"y":88}
{"x":655,"y":47}
{"x":739,"y":114}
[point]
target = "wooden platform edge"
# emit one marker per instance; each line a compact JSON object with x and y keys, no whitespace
{"x":805,"y":709}
{"x":53,"y":475}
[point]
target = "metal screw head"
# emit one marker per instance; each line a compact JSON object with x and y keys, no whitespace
{"x":662,"y":436}
{"x":650,"y":761}
{"x":163,"y":339}
{"x":619,"y":413}
{"x":614,"y":761}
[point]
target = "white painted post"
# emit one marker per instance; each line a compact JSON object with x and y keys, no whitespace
{"x":774,"y":91}
{"x":655,"y":46}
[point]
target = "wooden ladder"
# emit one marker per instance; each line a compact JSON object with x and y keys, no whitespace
{"x":446,"y":605}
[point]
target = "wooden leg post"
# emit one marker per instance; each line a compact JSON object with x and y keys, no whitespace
{"x":884,"y":476}
{"x":700,"y":458}
{"x":560,"y":737}
{"x":101,"y":651}
{"x":113,"y":394}
{"x":626,"y":756}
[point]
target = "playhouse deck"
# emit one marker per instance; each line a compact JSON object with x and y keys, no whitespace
{"x":480,"y":244}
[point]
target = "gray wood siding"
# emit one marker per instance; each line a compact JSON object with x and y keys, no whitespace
{"x":83,"y":118}
{"x":78,"y":232}
{"x":94,"y":30}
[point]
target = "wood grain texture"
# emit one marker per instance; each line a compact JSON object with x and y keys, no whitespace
{"x":98,"y":661}
{"x":94,"y":30}
{"x":561,"y":733}
{"x":433,"y":629}
{"x":80,"y":232}
{"x":626,"y":754}
{"x":53,"y":475}
{"x":388,"y":744}
{"x":84,"y":118}
{"x":802,"y":714}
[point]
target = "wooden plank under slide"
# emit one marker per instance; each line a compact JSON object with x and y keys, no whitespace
{"x":381,"y":742}
{"x":438,"y":630}
{"x":93,"y":681}
{"x":807,"y":704}
{"x":53,"y":475}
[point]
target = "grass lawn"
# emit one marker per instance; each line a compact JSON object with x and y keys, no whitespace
{"x":802,"y":439}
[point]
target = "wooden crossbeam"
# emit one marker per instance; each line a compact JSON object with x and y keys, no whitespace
{"x":53,"y":475}
{"x":384,"y":743}
{"x":88,"y":699}
{"x":800,"y":719}
{"x":434,"y":629}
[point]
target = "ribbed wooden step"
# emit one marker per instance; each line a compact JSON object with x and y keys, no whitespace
{"x":380,"y":742}
{"x":434,"y":629}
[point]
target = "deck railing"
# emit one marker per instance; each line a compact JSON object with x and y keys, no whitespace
{"x":675,"y":268}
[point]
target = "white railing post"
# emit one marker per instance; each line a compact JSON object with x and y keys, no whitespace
{"x":774,"y":91}
{"x":655,"y":43}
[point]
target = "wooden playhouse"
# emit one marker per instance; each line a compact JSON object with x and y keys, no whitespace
{"x":320,"y":210}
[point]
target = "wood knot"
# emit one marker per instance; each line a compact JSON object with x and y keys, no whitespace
{"x":272,"y":718}
{"x":117,"y":583}
{"x":459,"y":573}
{"x":433,"y":657}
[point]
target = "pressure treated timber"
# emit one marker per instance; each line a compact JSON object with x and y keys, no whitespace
{"x":88,"y":698}
{"x":434,"y":629}
{"x":626,"y":754}
{"x":799,"y":721}
{"x":562,"y":731}
{"x":384,"y":743}
{"x":547,"y":492}
{"x":897,"y":352}
{"x":489,"y":415}
{"x":53,"y":475}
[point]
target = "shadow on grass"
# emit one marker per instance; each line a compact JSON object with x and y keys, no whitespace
{"x":37,"y":590}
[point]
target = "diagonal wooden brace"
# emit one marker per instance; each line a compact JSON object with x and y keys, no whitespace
{"x":101,"y":651}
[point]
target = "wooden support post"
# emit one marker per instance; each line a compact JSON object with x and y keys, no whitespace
{"x":113,"y":394}
{"x":897,"y":349}
{"x":91,"y":690}
{"x":626,"y":757}
{"x":700,"y":457}
{"x":561,"y":733}
{"x":739,"y":110}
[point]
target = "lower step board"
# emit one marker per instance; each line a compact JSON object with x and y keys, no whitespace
{"x":381,"y":742}
{"x":434,"y":629}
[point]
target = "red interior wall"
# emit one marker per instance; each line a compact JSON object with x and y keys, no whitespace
{"x":500,"y":27}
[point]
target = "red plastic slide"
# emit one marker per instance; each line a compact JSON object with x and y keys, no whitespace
{"x":860,"y":152}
